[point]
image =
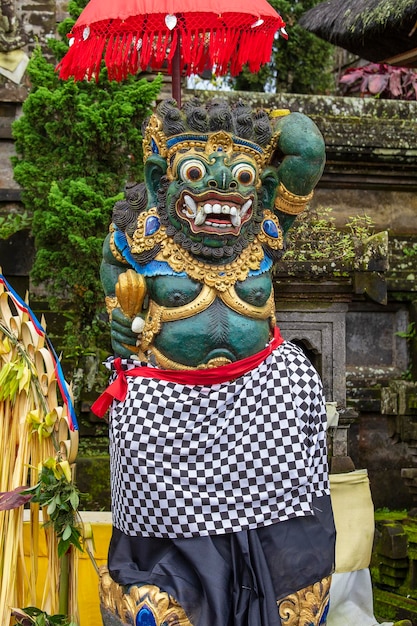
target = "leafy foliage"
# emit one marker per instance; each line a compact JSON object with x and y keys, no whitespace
{"x":31,"y":616}
{"x":77,"y":143}
{"x":302,"y":64}
{"x":13,"y":222}
{"x":314,"y":237}
{"x":60,"y":496}
{"x":380,"y":80}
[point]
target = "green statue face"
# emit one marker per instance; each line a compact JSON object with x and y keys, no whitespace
{"x":213,"y":197}
{"x":210,"y":192}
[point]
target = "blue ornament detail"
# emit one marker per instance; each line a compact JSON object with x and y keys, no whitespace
{"x":145,"y":617}
{"x":152,"y":224}
{"x":154,"y":146}
{"x":270,"y":229}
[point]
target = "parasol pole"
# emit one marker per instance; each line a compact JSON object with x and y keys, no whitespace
{"x":176,"y":72}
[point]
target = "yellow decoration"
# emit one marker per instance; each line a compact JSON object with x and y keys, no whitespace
{"x":111,"y":304}
{"x":94,"y":523}
{"x":28,"y":405}
{"x":140,"y":242}
{"x":289,"y":202}
{"x":115,"y":252}
{"x":126,"y":606}
{"x":305,"y":607}
{"x":165,"y":363}
{"x":130,"y":292}
{"x":279,"y":112}
{"x":219,"y":276}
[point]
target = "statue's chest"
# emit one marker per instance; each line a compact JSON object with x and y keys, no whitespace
{"x":175,"y":292}
{"x":192,"y":324}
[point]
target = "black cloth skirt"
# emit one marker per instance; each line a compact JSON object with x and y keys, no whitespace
{"x":233,"y":579}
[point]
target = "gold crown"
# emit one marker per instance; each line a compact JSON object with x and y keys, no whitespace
{"x":156,"y":142}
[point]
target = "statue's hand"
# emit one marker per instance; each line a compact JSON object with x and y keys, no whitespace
{"x":304,"y":152}
{"x":123,"y":337}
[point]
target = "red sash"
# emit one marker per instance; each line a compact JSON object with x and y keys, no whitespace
{"x":212,"y":376}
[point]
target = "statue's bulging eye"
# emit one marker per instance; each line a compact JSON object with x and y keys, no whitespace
{"x":192,"y":171}
{"x":245,"y":174}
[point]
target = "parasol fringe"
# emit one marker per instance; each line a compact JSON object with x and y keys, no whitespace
{"x":228,"y":49}
{"x":133,"y":61}
{"x":161,"y":50}
{"x":199,"y":44}
{"x":146,"y":50}
{"x":109,"y":55}
{"x":173,"y":47}
{"x":81,"y":60}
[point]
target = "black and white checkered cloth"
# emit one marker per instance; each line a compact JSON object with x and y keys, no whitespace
{"x":191,"y":460}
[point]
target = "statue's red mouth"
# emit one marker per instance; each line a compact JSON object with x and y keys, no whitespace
{"x":214,"y":212}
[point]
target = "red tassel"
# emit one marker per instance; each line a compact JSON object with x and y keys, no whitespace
{"x":122,"y":57}
{"x":134,"y":55}
{"x":108,"y":54}
{"x":96,"y":65}
{"x":174,"y":42}
{"x":199,"y":45}
{"x":118,"y":388}
{"x":157,"y":45}
{"x":146,"y":50}
{"x":161,"y":48}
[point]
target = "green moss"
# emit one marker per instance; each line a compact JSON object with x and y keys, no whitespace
{"x":379,"y":15}
{"x":386,"y":514}
{"x":391,"y":606}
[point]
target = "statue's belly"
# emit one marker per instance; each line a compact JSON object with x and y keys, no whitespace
{"x":217,"y":332}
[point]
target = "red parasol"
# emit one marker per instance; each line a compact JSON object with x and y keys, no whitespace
{"x":133,"y":35}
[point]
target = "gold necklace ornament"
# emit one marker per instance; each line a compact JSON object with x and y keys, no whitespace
{"x":221,"y":277}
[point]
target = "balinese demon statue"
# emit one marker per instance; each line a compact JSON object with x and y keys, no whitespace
{"x":220,"y":499}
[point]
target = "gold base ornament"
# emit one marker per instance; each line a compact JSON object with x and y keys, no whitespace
{"x":307,"y":607}
{"x":145,"y":604}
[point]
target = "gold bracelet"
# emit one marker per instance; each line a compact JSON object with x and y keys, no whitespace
{"x":111,"y":304}
{"x":290,"y":203}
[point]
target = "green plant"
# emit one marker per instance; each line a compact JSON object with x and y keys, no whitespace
{"x":56,"y":491}
{"x":314,"y":237}
{"x":410,"y":333}
{"x":11,"y":223}
{"x":410,"y":251}
{"x":361,"y":227}
{"x":77,"y":144}
{"x":31,"y":616}
{"x":302,"y":64}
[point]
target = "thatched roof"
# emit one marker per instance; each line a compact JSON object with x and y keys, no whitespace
{"x":375,"y":30}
